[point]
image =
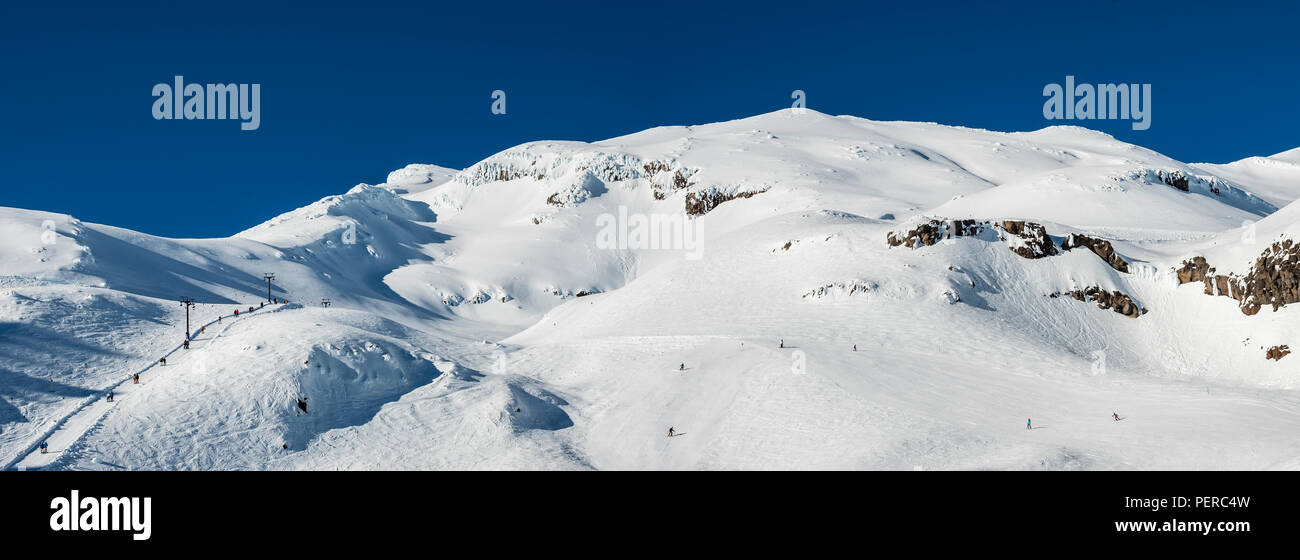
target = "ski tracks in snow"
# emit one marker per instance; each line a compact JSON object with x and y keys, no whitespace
{"x":75,"y":425}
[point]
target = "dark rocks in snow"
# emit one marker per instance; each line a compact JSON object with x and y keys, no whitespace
{"x":1033,"y":241}
{"x":702,"y":202}
{"x":846,"y":288}
{"x":1277,"y":352}
{"x":1274,"y":279}
{"x":680,"y":179}
{"x":1099,"y":247}
{"x":934,"y":231}
{"x":1194,"y":270}
{"x":1037,"y":244}
{"x":1116,"y":300}
{"x":1175,"y":179}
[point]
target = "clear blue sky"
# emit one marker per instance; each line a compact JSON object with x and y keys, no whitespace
{"x":350,"y":92}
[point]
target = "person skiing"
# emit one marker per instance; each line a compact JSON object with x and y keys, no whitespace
{"x":682,"y":367}
{"x":162,"y":361}
{"x":671,"y":432}
{"x":855,"y":347}
{"x":1115,"y":416}
{"x":1029,"y":423}
{"x":186,"y":344}
{"x":110,"y":396}
{"x":782,"y":343}
{"x":45,"y":446}
{"x":136,"y":377}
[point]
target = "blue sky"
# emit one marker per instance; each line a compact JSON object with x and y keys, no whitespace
{"x":350,"y":92}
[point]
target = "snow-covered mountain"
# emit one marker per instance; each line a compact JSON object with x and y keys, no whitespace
{"x":785,"y":291}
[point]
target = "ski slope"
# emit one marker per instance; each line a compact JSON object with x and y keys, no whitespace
{"x":480,"y":318}
{"x":71,"y":428}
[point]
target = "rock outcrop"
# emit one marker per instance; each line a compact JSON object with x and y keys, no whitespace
{"x":1116,"y":300}
{"x":1099,"y":247}
{"x":1277,"y":352}
{"x":934,"y":231}
{"x":1194,"y":270}
{"x":699,"y":203}
{"x":1273,"y":280}
{"x":1176,"y":179}
{"x":1027,"y":239}
{"x":1035,"y":243}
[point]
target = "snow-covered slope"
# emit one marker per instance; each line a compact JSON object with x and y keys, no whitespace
{"x":1275,"y":178}
{"x":822,"y":292}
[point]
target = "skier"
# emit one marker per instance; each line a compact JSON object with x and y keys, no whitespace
{"x":45,"y":446}
{"x":236,"y":312}
{"x":1115,"y":416}
{"x":855,"y":347}
{"x":671,"y":432}
{"x":260,"y":305}
{"x":683,"y":367}
{"x":203,"y":330}
{"x":186,"y":344}
{"x":136,"y":377}
{"x":1029,"y":423}
{"x":162,"y":361}
{"x":110,"y":396}
{"x":782,"y":343}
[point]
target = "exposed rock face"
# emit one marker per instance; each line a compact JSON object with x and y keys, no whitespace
{"x":1277,"y":352}
{"x":702,"y":202}
{"x":1027,"y":239}
{"x":1194,"y":270}
{"x":1036,"y":243}
{"x":1100,"y":247}
{"x":1274,"y":280}
{"x":1116,"y":301}
{"x":662,"y":184}
{"x":934,"y":231}
{"x":1175,"y":179}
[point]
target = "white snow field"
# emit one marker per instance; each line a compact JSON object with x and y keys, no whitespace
{"x":812,"y":300}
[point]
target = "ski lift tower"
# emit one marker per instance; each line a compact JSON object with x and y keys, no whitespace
{"x":269,"y":277}
{"x":188,"y":302}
